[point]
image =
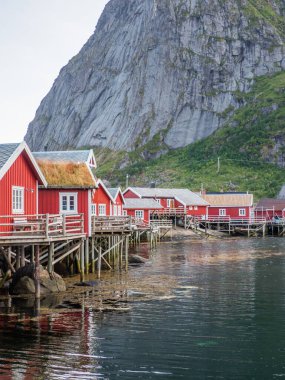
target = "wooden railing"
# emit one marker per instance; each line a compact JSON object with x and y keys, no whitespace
{"x":162,"y":223}
{"x":40,"y":226}
{"x":228,"y":219}
{"x":110,"y":223}
{"x":171,"y":211}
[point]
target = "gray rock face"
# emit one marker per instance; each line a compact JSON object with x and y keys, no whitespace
{"x":173,"y":67}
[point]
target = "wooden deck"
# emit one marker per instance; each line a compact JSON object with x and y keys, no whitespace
{"x":35,"y":229}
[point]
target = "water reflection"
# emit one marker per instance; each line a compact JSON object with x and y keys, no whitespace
{"x":203,"y":309}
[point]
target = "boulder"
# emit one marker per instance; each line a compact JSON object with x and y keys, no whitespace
{"x":23,"y":281}
{"x":136,"y":259}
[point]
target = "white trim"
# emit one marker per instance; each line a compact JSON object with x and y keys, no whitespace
{"x":89,"y":211}
{"x":21,"y":210}
{"x":20,"y":148}
{"x":242,"y":212}
{"x":133,"y":191}
{"x":222,"y":212}
{"x":68,"y":194}
{"x":105,"y":209}
{"x":139,"y":211}
{"x":100,"y":182}
{"x":90,"y":156}
{"x":37,"y":197}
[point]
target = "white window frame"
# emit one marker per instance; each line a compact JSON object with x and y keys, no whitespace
{"x":125,"y":212}
{"x":168,"y":202}
{"x":190,"y":208}
{"x":93,"y":209}
{"x":222,"y":212}
{"x":119,"y":210}
{"x":241,"y":212}
{"x":139,"y":214}
{"x":196,"y":208}
{"x":68,"y":210}
{"x":102,"y":209}
{"x":18,"y":199}
{"x":115,"y":210}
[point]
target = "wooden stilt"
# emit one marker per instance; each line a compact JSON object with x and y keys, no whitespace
{"x":32,"y":254}
{"x":37,"y":273}
{"x":92,"y":255}
{"x":50,"y":257}
{"x":18,"y":258}
{"x":99,"y":262}
{"x":22,"y":248}
{"x":87,"y":255}
{"x":82,"y":260}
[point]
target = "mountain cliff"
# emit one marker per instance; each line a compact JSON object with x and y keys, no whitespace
{"x":171,"y":71}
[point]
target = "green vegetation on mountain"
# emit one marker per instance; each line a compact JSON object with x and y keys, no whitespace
{"x":250,"y":150}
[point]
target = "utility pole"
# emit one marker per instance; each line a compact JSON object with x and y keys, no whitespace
{"x":127,"y":181}
{"x":218,"y":170}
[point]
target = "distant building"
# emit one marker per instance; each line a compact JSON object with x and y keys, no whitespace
{"x":229,"y":205}
{"x":281,"y":194}
{"x":270,"y":208}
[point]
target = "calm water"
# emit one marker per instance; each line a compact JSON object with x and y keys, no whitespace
{"x":223,"y":319}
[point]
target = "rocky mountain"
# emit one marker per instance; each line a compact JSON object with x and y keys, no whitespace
{"x":171,"y":71}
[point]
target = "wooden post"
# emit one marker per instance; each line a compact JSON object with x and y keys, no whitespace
{"x":23,"y":263}
{"x":37,"y":273}
{"x":87,"y":255}
{"x":82,"y":261}
{"x":92,"y":255}
{"x":50,"y":257}
{"x":127,"y":252}
{"x":18,"y":258}
{"x":47,"y":222}
{"x":63,"y":224}
{"x":121,"y":255}
{"x":32,"y":260}
{"x":99,"y":262}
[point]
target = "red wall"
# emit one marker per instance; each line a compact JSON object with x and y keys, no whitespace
{"x":19,"y":174}
{"x":49,"y":202}
{"x":101,"y":197}
{"x":268,"y":214}
{"x":131,"y":212}
{"x":233,"y":212}
{"x":201,"y":210}
{"x":130,"y":194}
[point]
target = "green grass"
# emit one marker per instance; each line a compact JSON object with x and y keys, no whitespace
{"x":246,"y":148}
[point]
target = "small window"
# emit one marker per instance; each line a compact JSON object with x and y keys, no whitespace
{"x":222,"y":212}
{"x":195,"y":207}
{"x":139,"y":214}
{"x":125,"y":212}
{"x":102,"y":210}
{"x":190,"y":208}
{"x":93,"y":209}
{"x":68,"y":203}
{"x":169,"y":203}
{"x":119,"y":210}
{"x":17,"y":200}
{"x":242,"y":212}
{"x":115,"y":210}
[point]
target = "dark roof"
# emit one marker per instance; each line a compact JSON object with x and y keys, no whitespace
{"x":6,"y":151}
{"x":270,"y":203}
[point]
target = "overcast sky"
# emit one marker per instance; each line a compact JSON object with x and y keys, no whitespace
{"x":37,"y":38}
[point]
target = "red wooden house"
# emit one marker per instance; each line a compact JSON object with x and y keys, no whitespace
{"x":118,"y":200}
{"x":20,"y":177}
{"x":102,"y":200}
{"x":230,"y":205}
{"x":270,"y":208}
{"x":171,"y":199}
{"x":70,"y":183}
{"x":140,"y":208}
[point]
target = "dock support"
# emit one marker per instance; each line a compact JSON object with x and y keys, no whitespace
{"x":37,"y":273}
{"x":50,"y":257}
{"x":92,"y":255}
{"x":87,"y":255}
{"x":82,"y":261}
{"x":99,"y":261}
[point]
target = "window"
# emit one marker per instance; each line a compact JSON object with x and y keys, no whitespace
{"x":169,"y":202}
{"x":190,"y":208}
{"x":139,"y":214}
{"x":195,"y":207}
{"x":93,"y":209}
{"x":115,"y":210}
{"x":119,"y":210}
{"x":222,"y":212}
{"x":125,"y":213}
{"x":241,"y":212}
{"x":68,"y":203}
{"x":17,"y":200}
{"x":101,"y":210}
